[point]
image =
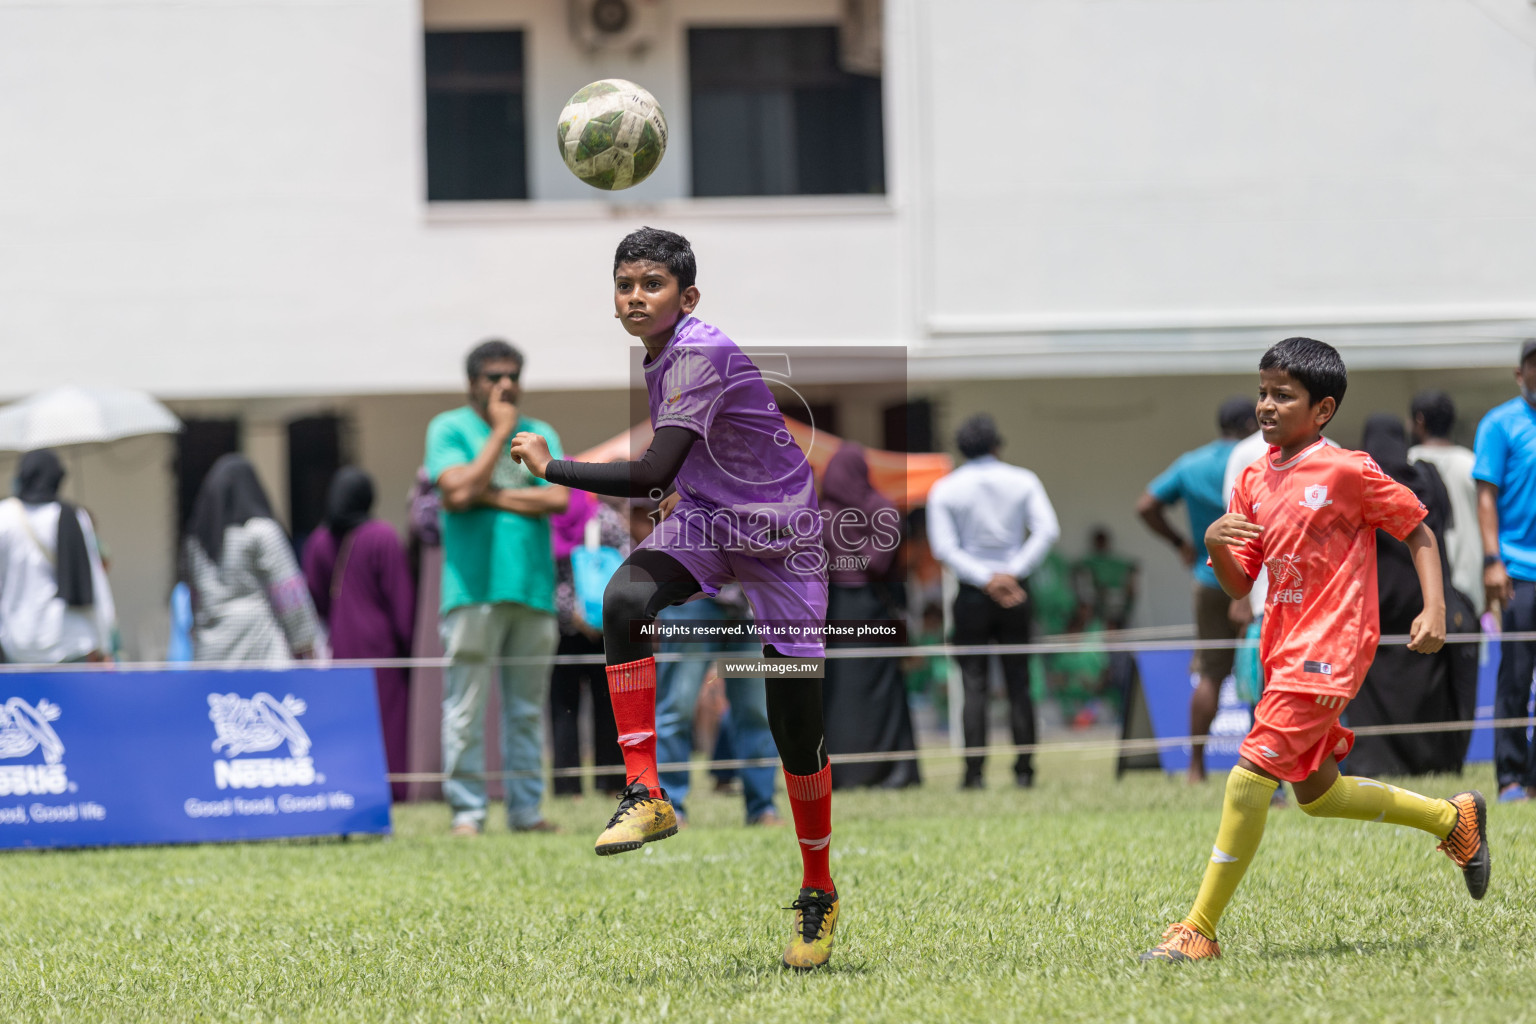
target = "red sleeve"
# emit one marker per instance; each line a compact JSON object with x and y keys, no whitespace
{"x":1386,"y":504}
{"x":1249,"y":555}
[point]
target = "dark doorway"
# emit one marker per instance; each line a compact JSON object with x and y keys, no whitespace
{"x":314,"y":456}
{"x":823,"y":416}
{"x":198,"y":446}
{"x":909,"y":426}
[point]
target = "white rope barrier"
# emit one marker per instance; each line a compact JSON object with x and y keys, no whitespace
{"x":1100,"y":643}
{"x":1110,"y":747}
{"x":1092,"y":646}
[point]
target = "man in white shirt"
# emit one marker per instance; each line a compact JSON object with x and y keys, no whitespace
{"x":55,"y":604}
{"x":991,"y":524}
{"x":1433,"y":415}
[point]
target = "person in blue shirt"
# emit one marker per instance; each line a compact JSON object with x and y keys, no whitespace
{"x":1195,"y":478}
{"x":1505,"y":471}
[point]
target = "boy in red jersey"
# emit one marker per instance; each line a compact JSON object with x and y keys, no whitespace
{"x":1307,"y":513}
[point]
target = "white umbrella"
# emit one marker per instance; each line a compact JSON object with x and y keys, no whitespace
{"x":71,"y":415}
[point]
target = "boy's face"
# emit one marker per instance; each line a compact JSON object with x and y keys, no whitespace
{"x":1287,"y":415}
{"x":647,"y":299}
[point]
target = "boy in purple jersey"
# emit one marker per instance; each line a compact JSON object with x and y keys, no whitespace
{"x":744,"y":509}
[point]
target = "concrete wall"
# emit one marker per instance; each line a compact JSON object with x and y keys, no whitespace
{"x":1092,"y":169}
{"x":227,"y":199}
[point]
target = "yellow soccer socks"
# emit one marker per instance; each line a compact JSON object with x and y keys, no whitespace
{"x":1243,"y":814}
{"x":1368,"y":800}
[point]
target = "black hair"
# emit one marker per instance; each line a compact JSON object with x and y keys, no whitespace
{"x":490,"y":350}
{"x":1438,"y":410}
{"x":1235,"y":414}
{"x":977,"y":436}
{"x":656,"y":245}
{"x":1315,"y":365}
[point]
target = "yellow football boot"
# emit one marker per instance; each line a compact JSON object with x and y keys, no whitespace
{"x":640,"y":819}
{"x":815,"y":921}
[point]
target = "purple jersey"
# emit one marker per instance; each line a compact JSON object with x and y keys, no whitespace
{"x":745,"y":461}
{"x":747,"y":506}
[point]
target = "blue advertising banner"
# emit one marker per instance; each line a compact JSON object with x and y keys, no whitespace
{"x":1166,"y":683}
{"x":108,"y":758}
{"x":1481,"y":748}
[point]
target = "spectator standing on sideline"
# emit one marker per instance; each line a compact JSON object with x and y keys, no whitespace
{"x":578,"y":636}
{"x":498,"y":589}
{"x":55,"y":603}
{"x":1433,"y":415}
{"x":360,"y":581}
{"x":1106,"y":580}
{"x":991,"y":524}
{"x":1506,"y":512}
{"x":249,"y":599}
{"x":1195,"y":479}
{"x":864,"y":700}
{"x":1402,"y":687}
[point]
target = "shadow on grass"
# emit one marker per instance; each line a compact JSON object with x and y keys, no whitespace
{"x":1339,"y":948}
{"x":758,"y":970}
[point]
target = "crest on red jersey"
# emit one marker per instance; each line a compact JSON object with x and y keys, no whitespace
{"x":1316,"y":496}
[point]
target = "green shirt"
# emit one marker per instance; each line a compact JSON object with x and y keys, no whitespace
{"x":491,"y":556}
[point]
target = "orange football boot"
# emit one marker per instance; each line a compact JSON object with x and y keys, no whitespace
{"x":1180,"y":944}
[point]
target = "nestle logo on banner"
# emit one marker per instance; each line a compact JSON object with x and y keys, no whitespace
{"x":23,"y":730}
{"x":256,"y":725}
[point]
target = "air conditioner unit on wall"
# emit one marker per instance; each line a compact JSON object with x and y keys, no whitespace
{"x":610,"y":26}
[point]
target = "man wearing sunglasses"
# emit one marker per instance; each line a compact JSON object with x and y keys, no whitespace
{"x":498,"y":589}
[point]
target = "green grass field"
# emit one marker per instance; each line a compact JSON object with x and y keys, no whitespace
{"x":977,"y":907}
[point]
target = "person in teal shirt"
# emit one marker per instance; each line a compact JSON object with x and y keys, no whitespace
{"x":498,"y":589}
{"x":1195,"y":478}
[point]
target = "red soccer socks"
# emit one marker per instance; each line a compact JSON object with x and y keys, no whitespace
{"x":810,"y":800}
{"x":632,"y":686}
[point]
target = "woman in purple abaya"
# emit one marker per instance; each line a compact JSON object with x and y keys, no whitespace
{"x":360,"y":579}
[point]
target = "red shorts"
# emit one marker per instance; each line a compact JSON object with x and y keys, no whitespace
{"x":1294,"y":733}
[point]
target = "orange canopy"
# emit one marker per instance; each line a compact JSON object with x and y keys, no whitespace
{"x":903,"y":477}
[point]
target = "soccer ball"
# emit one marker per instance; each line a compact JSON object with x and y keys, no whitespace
{"x":612,"y":134}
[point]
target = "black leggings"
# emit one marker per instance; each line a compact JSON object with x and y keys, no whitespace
{"x":650,"y":580}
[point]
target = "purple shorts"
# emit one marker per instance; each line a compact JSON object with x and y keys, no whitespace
{"x":788,"y":591}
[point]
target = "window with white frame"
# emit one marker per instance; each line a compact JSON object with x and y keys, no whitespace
{"x":476,"y":118}
{"x":774,"y":112}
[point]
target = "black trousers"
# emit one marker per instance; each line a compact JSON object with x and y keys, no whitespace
{"x":1512,"y":699}
{"x":565,"y":685}
{"x":981,"y":620}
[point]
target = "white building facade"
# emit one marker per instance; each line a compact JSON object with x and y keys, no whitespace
{"x":1090,"y":219}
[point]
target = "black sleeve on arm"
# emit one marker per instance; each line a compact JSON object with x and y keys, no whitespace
{"x":652,"y":471}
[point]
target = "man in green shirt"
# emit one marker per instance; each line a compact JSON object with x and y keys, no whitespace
{"x":498,"y":588}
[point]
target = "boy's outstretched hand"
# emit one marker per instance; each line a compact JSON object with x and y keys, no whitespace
{"x":1232,"y":528}
{"x":1427,"y":634}
{"x":532,"y":451}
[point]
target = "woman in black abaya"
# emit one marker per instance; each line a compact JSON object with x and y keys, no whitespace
{"x":864,"y":700}
{"x":1402,"y":687}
